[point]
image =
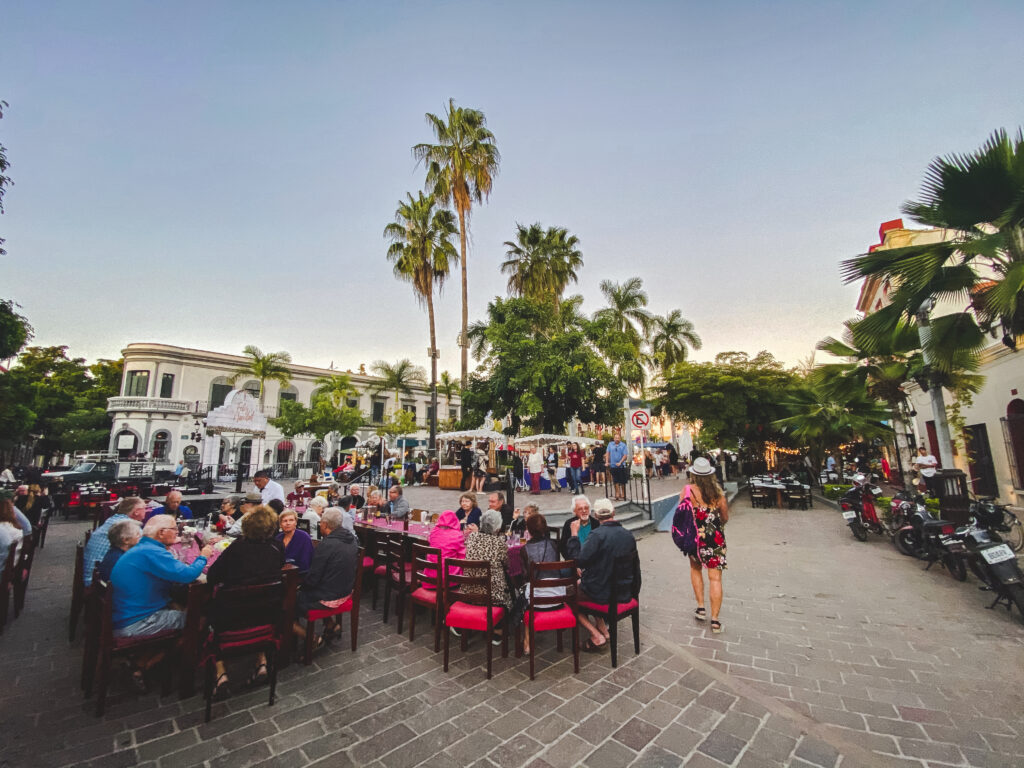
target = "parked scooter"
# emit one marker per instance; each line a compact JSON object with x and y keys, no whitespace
{"x":858,"y":507}
{"x":995,"y":565}
{"x":903,"y":504}
{"x":998,"y":519}
{"x":934,"y":540}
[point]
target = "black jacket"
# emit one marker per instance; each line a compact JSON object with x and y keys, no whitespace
{"x":595,"y":558}
{"x":563,"y":540}
{"x":332,"y":574}
{"x":247,"y":561}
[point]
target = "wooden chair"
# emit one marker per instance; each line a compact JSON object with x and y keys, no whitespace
{"x":472,"y":611}
{"x":245,"y":619}
{"x":302,"y":524}
{"x":558,"y":619}
{"x":622,"y":576}
{"x":110,"y":647}
{"x":416,"y":515}
{"x":6,"y":582}
{"x":93,"y":606}
{"x":39,"y":531}
{"x":397,"y":568}
{"x":759,"y":497}
{"x":78,"y":589}
{"x":425,"y":587}
{"x":349,"y":606}
{"x":22,"y":571}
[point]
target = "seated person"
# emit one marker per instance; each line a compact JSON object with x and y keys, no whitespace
{"x":431,"y":470}
{"x":588,"y":522}
{"x":128,"y":508}
{"x":488,"y":544}
{"x":299,"y":495}
{"x":173,"y":507}
{"x":248,"y":505}
{"x":540,"y":549}
{"x":354,"y":499}
{"x":447,"y":537}
{"x":518,"y":524}
{"x":595,"y":559}
{"x":397,"y":506}
{"x":316,"y":508}
{"x":10,"y":530}
{"x":496,"y":501}
{"x":298,"y":545}
{"x":333,"y":495}
{"x":468,"y":512}
{"x":332,"y":574}
{"x":374,"y":502}
{"x":229,"y":511}
{"x":256,"y":557}
{"x":122,"y":536}
{"x":142,"y":581}
{"x":35,"y":504}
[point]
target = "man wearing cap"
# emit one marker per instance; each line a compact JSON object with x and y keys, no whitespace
{"x":618,"y":463}
{"x":250,"y":502}
{"x":298,"y":495}
{"x":596,"y":558}
{"x":269,"y":489}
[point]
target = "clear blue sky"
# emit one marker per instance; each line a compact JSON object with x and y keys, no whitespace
{"x":219,"y":174}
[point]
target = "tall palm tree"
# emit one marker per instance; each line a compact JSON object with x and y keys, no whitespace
{"x":541,"y":263}
{"x":670,"y":337}
{"x":422,"y":253}
{"x":271,"y":366}
{"x":461,"y":168}
{"x":448,"y":387}
{"x":336,"y":388}
{"x":398,"y":378}
{"x":626,"y":308}
{"x":980,"y":197}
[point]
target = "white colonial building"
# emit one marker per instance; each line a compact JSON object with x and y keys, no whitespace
{"x":168,"y":391}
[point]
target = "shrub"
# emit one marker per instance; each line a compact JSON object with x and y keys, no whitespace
{"x":834,"y":492}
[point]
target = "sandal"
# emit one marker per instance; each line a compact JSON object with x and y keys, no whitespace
{"x":716,"y":626}
{"x":222,"y":689}
{"x":700,"y":614}
{"x":258,"y":676}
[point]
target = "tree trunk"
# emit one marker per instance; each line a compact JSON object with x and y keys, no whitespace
{"x":433,"y":369}
{"x":906,"y":452}
{"x":463,"y":339}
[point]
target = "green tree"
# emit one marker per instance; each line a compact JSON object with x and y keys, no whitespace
{"x":980,"y":197}
{"x":541,"y":263}
{"x":15,"y":330}
{"x":400,"y":423}
{"x":271,"y":366}
{"x":461,"y":168}
{"x":539,"y":368}
{"x":422,"y":253}
{"x":337,"y":388}
{"x":399,"y":378}
{"x":448,"y":387}
{"x":670,"y":337}
{"x":323,"y":418}
{"x":87,"y":425}
{"x":620,"y":327}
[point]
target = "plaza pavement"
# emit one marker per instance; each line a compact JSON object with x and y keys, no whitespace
{"x":835,"y":653}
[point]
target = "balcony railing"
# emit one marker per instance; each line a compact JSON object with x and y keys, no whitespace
{"x":149,"y":404}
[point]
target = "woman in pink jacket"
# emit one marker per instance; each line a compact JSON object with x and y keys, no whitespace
{"x":447,"y":536}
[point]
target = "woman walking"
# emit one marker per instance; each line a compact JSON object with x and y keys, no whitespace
{"x":710,"y":514}
{"x":574,"y":458}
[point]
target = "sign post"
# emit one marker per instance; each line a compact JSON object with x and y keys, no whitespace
{"x":640,"y":418}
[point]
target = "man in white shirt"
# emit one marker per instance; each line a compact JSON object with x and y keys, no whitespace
{"x":926,"y":464}
{"x":269,"y":489}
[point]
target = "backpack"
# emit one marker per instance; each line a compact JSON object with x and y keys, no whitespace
{"x":684,"y":527}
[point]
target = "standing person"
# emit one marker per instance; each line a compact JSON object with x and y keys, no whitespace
{"x":597,"y":464}
{"x":926,"y":464}
{"x":479,"y":470}
{"x":534,"y":465}
{"x":575,"y":460}
{"x":710,"y":514}
{"x":886,"y":469}
{"x":673,"y":458}
{"x":269,"y":489}
{"x":618,"y":465}
{"x":35,"y":505}
{"x":466,"y":464}
{"x":552,"y":464}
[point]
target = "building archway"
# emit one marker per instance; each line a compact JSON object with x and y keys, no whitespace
{"x":245,"y":453}
{"x":126,"y":443}
{"x":160,"y":448}
{"x":1013,"y":436}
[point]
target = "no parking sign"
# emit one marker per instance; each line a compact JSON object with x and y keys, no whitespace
{"x":640,"y":418}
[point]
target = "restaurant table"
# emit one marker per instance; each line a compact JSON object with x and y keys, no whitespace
{"x":777,"y":486}
{"x":188,"y":554}
{"x":201,"y":504}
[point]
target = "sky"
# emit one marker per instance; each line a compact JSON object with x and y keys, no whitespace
{"x":214,"y":175}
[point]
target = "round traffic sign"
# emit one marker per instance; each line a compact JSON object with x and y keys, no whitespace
{"x":640,"y":419}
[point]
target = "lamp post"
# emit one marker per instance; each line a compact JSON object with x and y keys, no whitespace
{"x":924,"y":331}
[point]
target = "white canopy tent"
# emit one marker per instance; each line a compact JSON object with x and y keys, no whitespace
{"x":474,"y":434}
{"x":550,"y":439}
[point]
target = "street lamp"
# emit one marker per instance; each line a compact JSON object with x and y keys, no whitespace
{"x":924,"y":331}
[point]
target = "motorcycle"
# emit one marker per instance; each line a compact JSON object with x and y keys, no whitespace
{"x":998,"y":519}
{"x":995,"y":565}
{"x":858,"y":507}
{"x":903,"y":504}
{"x":928,"y":538}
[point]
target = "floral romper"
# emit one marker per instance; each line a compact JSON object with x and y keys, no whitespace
{"x":710,"y":536}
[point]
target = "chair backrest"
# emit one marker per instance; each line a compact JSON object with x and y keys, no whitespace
{"x":423,"y":566}
{"x":28,"y":549}
{"x":239,"y":606}
{"x":475,"y":573}
{"x":545,"y":575}
{"x":622,"y":576}
{"x":395,"y":556}
{"x":435,"y":517}
{"x":79,"y":565}
{"x":416,"y":515}
{"x":87,"y":535}
{"x":302,"y":524}
{"x":9,"y":566}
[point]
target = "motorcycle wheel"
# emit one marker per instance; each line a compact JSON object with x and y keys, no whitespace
{"x":904,"y":541}
{"x":1015,"y":536}
{"x":978,"y":570}
{"x":956,"y":567}
{"x":860,"y":533}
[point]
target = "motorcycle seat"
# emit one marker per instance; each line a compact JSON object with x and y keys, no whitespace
{"x":936,"y":524}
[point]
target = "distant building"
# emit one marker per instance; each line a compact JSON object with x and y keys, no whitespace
{"x":167,"y":391}
{"x":995,"y":420}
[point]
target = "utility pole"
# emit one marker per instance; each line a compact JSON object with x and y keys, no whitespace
{"x":924,"y":330}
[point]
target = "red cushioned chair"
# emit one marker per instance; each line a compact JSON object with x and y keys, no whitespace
{"x":425,"y":587}
{"x":21,"y":573}
{"x":472,"y":611}
{"x":6,"y":582}
{"x":397,"y":568}
{"x":245,"y":619}
{"x":547,"y":619}
{"x":625,"y":569}
{"x":349,"y":606}
{"x":110,"y":646}
{"x":368,"y":542}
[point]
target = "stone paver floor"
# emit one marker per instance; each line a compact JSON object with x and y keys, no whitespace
{"x":834,"y":653}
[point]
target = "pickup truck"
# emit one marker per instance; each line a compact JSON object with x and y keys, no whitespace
{"x":82,"y":473}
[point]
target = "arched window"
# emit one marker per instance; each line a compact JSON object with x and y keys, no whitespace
{"x":315,"y":450}
{"x":161,"y":445}
{"x":287,"y":393}
{"x":219,"y":389}
{"x":126,"y":444}
{"x":253,"y":388}
{"x":284,"y":451}
{"x":1013,"y":436}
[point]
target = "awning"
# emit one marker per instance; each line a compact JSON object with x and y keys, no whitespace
{"x":286,"y":445}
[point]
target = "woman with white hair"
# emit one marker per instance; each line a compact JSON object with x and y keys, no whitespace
{"x":313,"y":512}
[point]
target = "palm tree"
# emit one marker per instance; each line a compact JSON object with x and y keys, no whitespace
{"x":980,"y":198}
{"x":670,"y":337}
{"x":540,"y":263}
{"x":398,"y":378}
{"x":448,"y":387}
{"x":336,"y":388}
{"x":263,"y":367}
{"x":422,"y":252}
{"x":461,"y":168}
{"x":625,"y":310}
